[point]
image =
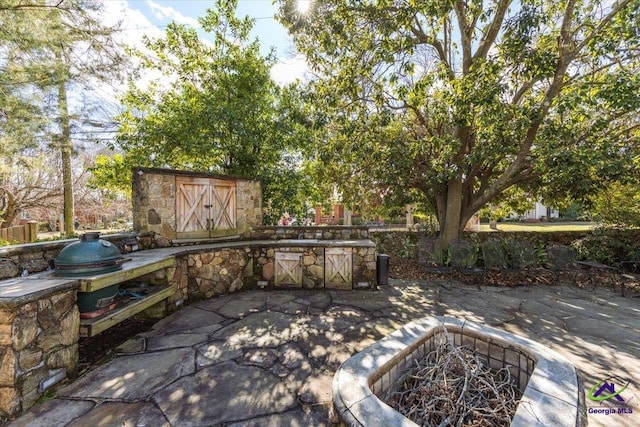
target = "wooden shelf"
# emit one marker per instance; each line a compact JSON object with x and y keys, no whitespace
{"x":131,"y":269}
{"x":91,"y":327}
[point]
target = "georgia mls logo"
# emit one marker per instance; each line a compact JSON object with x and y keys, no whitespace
{"x":605,"y":390}
{"x":608,"y":394}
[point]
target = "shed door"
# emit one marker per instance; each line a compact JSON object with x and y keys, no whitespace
{"x":205,"y":207}
{"x":288,"y":269}
{"x":192,"y":206}
{"x":223,"y":200}
{"x":338,"y":268}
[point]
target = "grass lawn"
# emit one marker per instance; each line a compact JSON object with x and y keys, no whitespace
{"x":540,"y":226}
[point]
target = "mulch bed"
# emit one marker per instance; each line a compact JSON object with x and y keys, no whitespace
{"x":409,"y":269}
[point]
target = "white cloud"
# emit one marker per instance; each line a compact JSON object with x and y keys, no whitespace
{"x":132,"y":22}
{"x":289,"y":70}
{"x":164,"y":12}
{"x":133,"y":26}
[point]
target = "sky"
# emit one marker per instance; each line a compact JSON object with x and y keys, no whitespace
{"x":151,"y":17}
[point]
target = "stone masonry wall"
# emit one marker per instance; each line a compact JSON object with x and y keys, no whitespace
{"x":312,"y":265}
{"x":364,"y":265}
{"x":209,"y":274}
{"x":320,"y":233}
{"x":249,"y":206}
{"x":36,"y":339}
{"x":154,"y":206}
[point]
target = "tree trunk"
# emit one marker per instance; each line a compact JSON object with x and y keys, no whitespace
{"x":66,"y":151}
{"x":453,"y":212}
{"x":9,"y":209}
{"x":450,"y":225}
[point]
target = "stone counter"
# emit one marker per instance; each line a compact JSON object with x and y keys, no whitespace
{"x":39,"y":327}
{"x":40,"y":321}
{"x":216,"y":269}
{"x":35,"y":257}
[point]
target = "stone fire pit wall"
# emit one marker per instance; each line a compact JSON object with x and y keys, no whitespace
{"x":552,"y":390}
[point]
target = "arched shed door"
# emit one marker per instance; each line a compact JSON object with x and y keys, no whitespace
{"x":205,"y":207}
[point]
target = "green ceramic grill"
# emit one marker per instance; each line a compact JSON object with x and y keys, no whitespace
{"x":89,"y":256}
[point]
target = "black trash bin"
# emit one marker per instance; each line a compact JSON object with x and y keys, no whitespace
{"x":382,"y":269}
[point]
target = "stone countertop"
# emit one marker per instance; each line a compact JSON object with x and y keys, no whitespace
{"x":10,"y":250}
{"x":20,"y":290}
{"x":288,"y":243}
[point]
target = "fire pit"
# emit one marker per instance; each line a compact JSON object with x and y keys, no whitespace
{"x":552,"y":390}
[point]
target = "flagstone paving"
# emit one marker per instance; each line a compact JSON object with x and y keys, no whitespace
{"x":267,"y":358}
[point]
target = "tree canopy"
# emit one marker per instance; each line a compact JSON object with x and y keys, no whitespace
{"x":451,"y":103}
{"x":215,"y":108}
{"x":46,"y":49}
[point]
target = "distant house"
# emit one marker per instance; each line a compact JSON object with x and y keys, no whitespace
{"x":540,"y":212}
{"x":336,"y":215}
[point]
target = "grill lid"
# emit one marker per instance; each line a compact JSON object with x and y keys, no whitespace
{"x":89,"y":255}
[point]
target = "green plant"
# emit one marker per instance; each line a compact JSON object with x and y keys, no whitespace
{"x":542,"y":259}
{"x":408,"y":247}
{"x":381,"y":246}
{"x":609,"y":245}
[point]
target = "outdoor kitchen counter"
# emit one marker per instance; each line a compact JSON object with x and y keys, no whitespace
{"x":147,"y":261}
{"x":21,"y":290}
{"x":40,"y":315}
{"x":143,"y":262}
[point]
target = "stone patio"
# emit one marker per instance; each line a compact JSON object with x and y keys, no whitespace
{"x":267,"y":358}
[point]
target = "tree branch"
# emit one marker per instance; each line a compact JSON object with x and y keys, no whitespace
{"x":489,"y":36}
{"x":615,"y":9}
{"x":465,"y":37}
{"x":522,"y":91}
{"x":422,"y":38}
{"x":497,"y":188}
{"x":34,"y":6}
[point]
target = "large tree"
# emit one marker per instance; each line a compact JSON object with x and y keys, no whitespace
{"x":451,"y":103}
{"x":215,"y":109}
{"x":51,"y":51}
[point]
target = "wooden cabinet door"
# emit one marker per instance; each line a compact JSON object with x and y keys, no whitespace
{"x":223,"y":200}
{"x":192,"y":206}
{"x":205,"y":207}
{"x":288,"y":270}
{"x":338,"y":271}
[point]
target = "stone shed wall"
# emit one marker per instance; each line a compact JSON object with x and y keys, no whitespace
{"x":154,"y":194}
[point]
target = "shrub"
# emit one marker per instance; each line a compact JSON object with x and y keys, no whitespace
{"x":609,"y":245}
